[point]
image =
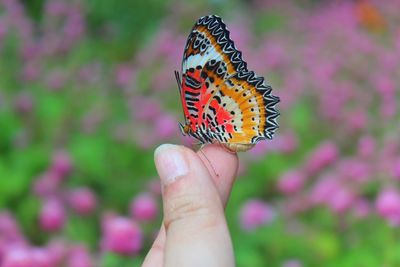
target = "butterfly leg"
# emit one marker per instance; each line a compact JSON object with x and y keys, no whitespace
{"x":209,"y":162}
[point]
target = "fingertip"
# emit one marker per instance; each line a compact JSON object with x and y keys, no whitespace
{"x":174,"y":162}
{"x":171,"y":163}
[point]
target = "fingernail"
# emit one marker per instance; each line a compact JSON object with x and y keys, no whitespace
{"x":170,"y":163}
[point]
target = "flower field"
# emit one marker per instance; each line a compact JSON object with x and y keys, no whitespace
{"x":87,"y":92}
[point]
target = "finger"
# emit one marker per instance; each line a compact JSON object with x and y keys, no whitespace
{"x":194,"y":220}
{"x":222,"y":166}
{"x":155,"y":257}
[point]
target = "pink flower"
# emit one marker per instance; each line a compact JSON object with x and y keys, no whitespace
{"x":388,"y":205}
{"x":323,"y":189}
{"x":259,"y":149}
{"x":52,"y":215}
{"x":255,"y":213}
{"x":357,"y":120}
{"x":9,"y":228}
{"x":385,"y":85}
{"x":3,"y":29}
{"x":61,"y":163}
{"x":288,"y":143}
{"x":90,"y":73}
{"x":274,"y":51}
{"x":18,"y":257}
{"x":55,"y":80}
{"x":296,"y":204}
{"x":388,"y":64}
{"x":340,"y":200}
{"x":47,"y":184}
{"x":160,"y":77}
{"x":121,"y":235}
{"x":166,"y":126}
{"x":82,"y":201}
{"x":167,"y":48}
{"x":79,"y":257}
{"x":57,"y":248}
{"x":362,"y":208}
{"x":91,"y":120}
{"x":291,"y":182}
{"x":292,"y":263}
{"x":74,"y":26}
{"x":56,"y":8}
{"x":240,"y":33}
{"x":30,"y":51}
{"x":42,"y":258}
{"x":388,"y":107}
{"x":124,"y":75}
{"x":396,"y":169}
{"x":355,"y":169}
{"x":325,"y":154}
{"x":144,"y":207}
{"x":331,"y":103}
{"x":145,"y":138}
{"x":24,"y":103}
{"x":293,"y":86}
{"x":31,"y":72}
{"x":366,"y":146}
{"x":324,"y":72}
{"x":144,"y":108}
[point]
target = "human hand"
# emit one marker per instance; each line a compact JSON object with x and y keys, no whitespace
{"x":194,"y":230}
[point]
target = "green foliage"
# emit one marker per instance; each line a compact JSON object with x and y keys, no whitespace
{"x":128,"y":23}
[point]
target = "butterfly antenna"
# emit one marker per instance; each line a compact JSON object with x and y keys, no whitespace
{"x":178,"y":80}
{"x":209,"y":162}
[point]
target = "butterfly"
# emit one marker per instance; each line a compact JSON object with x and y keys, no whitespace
{"x":223,"y":102}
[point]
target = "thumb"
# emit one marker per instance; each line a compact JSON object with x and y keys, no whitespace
{"x":197,"y":234}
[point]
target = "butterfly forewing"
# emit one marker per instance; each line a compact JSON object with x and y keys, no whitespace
{"x":209,"y":40}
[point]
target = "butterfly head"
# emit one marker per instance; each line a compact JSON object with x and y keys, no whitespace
{"x":185,"y":129}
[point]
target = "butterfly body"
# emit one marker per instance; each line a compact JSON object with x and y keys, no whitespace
{"x":222,"y":101}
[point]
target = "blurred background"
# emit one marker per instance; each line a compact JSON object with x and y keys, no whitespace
{"x":87,"y":92}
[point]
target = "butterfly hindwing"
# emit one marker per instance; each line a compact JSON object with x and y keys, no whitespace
{"x":241,"y":110}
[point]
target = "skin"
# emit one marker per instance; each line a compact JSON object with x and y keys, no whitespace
{"x":194,"y":230}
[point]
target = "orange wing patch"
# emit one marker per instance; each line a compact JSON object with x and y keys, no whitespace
{"x":238,"y":112}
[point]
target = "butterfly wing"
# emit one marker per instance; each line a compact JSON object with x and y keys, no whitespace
{"x":222,"y":100}
{"x":242,"y":109}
